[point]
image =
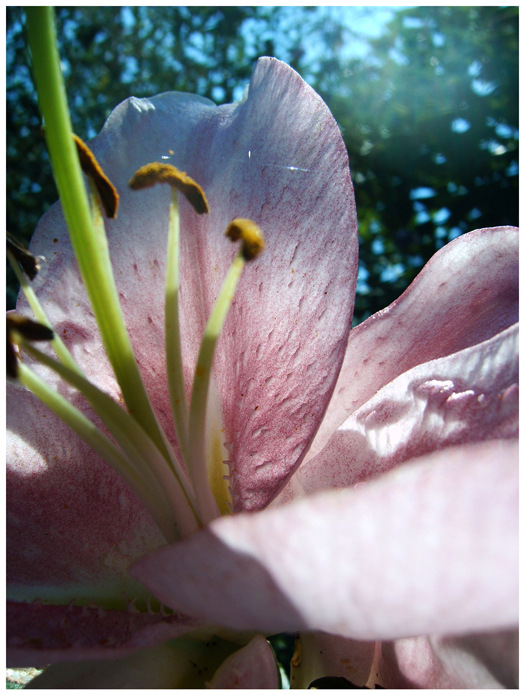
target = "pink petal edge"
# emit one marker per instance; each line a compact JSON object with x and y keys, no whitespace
{"x":39,"y":634}
{"x":253,"y":666}
{"x":466,"y":294}
{"x":428,"y":548}
{"x":470,"y":396}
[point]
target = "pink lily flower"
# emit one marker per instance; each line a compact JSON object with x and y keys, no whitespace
{"x":372,"y":473}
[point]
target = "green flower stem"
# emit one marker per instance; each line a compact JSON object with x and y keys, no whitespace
{"x":148,"y":463}
{"x":97,"y":441}
{"x":88,"y":239}
{"x":61,"y":350}
{"x":208,"y":506}
{"x":175,"y":373}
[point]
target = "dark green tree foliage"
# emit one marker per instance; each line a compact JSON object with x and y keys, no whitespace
{"x":429,"y":115}
{"x":430,"y":119}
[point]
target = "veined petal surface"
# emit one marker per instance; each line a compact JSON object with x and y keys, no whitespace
{"x":39,"y":634}
{"x":278,"y":158}
{"x":465,"y":294}
{"x":467,"y":397}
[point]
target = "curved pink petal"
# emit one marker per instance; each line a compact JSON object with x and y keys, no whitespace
{"x":40,"y":634}
{"x":178,"y":664}
{"x":278,"y":158}
{"x":428,"y":548}
{"x":466,"y":294}
{"x":466,"y":397}
{"x":488,"y":660}
{"x":253,"y":666}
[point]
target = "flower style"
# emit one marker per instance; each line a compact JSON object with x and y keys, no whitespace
{"x":378,"y":465}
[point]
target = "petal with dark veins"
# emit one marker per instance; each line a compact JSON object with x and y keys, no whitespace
{"x":466,"y":294}
{"x":278,"y":158}
{"x":466,"y":397}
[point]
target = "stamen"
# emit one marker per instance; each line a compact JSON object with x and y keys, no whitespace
{"x":58,"y":345}
{"x":156,"y":172}
{"x":253,"y":243}
{"x":100,"y":282}
{"x":91,"y":168}
{"x":145,"y":177}
{"x":28,"y":329}
{"x":30,"y":264}
{"x":251,"y":235}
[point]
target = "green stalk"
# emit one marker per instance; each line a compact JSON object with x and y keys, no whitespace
{"x":88,"y":240}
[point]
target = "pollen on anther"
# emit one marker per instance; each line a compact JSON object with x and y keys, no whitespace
{"x":157,"y":172}
{"x":106,"y":190}
{"x":249,"y":233}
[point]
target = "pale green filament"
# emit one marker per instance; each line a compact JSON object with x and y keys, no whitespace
{"x":175,"y":373}
{"x":206,"y":502}
{"x":216,"y":453}
{"x":110,"y":321}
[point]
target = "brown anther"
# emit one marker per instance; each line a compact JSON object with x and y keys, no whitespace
{"x":156,"y":172}
{"x":106,"y":190}
{"x":11,"y":359}
{"x":30,"y":264}
{"x":250,"y":234}
{"x":28,"y":329}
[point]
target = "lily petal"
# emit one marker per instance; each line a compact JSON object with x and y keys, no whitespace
{"x":278,"y":158}
{"x":466,"y":294}
{"x":253,"y":666}
{"x":429,"y":548}
{"x":40,"y":634}
{"x":487,"y":660}
{"x":466,"y":397}
{"x":180,"y":664}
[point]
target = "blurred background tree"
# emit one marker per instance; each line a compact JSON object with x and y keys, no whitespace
{"x":428,"y":108}
{"x":430,"y":120}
